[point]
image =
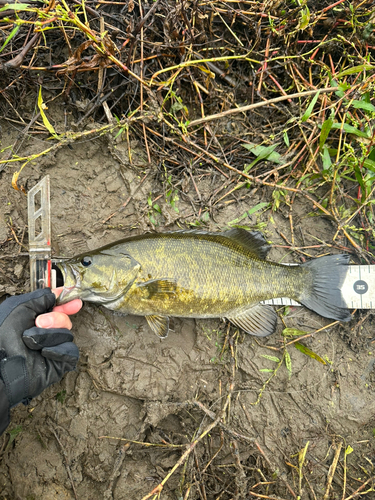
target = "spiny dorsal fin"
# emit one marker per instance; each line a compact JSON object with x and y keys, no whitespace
{"x":159,"y":325}
{"x":258,"y":320}
{"x":253,"y":241}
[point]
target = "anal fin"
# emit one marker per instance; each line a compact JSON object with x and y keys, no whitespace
{"x":259,"y":320}
{"x":159,"y":325}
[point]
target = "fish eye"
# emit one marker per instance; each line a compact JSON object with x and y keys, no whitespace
{"x":86,"y":261}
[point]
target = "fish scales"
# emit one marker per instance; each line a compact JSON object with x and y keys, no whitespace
{"x":202,"y":275}
{"x":214,"y":276}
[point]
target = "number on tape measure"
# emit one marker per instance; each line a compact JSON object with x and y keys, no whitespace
{"x":358,"y":289}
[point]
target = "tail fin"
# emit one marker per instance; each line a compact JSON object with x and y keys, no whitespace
{"x":323,"y":295}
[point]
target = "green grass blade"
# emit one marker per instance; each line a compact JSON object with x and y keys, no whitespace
{"x":15,"y":6}
{"x":354,"y":70}
{"x":310,"y":108}
{"x":9,"y":37}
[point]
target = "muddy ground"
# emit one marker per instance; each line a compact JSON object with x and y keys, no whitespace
{"x":131,"y":385}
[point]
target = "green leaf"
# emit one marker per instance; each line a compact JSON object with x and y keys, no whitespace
{"x":13,"y":434}
{"x":286,"y":310}
{"x":308,"y":352}
{"x":343,"y":87}
{"x":368,"y":30}
{"x":15,"y":6}
{"x":367,"y":106}
{"x":271,"y":358}
{"x":326,"y":159}
{"x":305,"y":18}
{"x":177,"y":106}
{"x":60,"y":396}
{"x":119,"y":132}
{"x":310,"y":108}
{"x":288,"y":363}
{"x":46,"y":122}
{"x":354,"y":69}
{"x":10,"y":36}
{"x":349,"y":129}
{"x":266,"y":370}
{"x":258,"y":207}
{"x":293,"y":332}
{"x":263,"y":152}
{"x":286,"y":138}
{"x":326,"y":127}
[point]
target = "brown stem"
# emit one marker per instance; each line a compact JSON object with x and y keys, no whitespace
{"x":242,"y":109}
{"x":18,"y":60}
{"x":138,"y":28}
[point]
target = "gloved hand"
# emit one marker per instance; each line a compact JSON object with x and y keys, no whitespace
{"x":31,"y":358}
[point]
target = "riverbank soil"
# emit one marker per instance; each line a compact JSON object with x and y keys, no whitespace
{"x":115,"y":102}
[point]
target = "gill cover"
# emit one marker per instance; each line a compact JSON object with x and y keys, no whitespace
{"x":101,"y":277}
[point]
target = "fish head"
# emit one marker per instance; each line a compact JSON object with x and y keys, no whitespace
{"x":100,"y":277}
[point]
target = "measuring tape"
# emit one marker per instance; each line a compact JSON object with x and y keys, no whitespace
{"x":358,"y":289}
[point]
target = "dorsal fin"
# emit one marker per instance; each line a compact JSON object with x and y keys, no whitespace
{"x":253,"y":241}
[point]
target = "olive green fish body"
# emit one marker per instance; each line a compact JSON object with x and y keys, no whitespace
{"x":202,"y":275}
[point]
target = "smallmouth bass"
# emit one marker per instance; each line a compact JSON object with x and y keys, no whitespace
{"x":196,"y":274}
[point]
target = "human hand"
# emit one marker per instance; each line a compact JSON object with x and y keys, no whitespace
{"x":32,"y":354}
{"x":59,"y":317}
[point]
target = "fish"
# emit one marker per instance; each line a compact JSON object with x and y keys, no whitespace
{"x":199,"y":274}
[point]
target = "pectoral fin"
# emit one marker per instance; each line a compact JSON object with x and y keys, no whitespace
{"x":158,"y":289}
{"x":258,"y":320}
{"x":159,"y":325}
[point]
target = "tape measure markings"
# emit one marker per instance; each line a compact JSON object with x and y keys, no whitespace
{"x":358,"y":289}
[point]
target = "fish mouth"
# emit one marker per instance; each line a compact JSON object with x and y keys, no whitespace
{"x":71,"y":281}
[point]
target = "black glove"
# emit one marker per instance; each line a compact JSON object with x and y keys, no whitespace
{"x":31,"y":358}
